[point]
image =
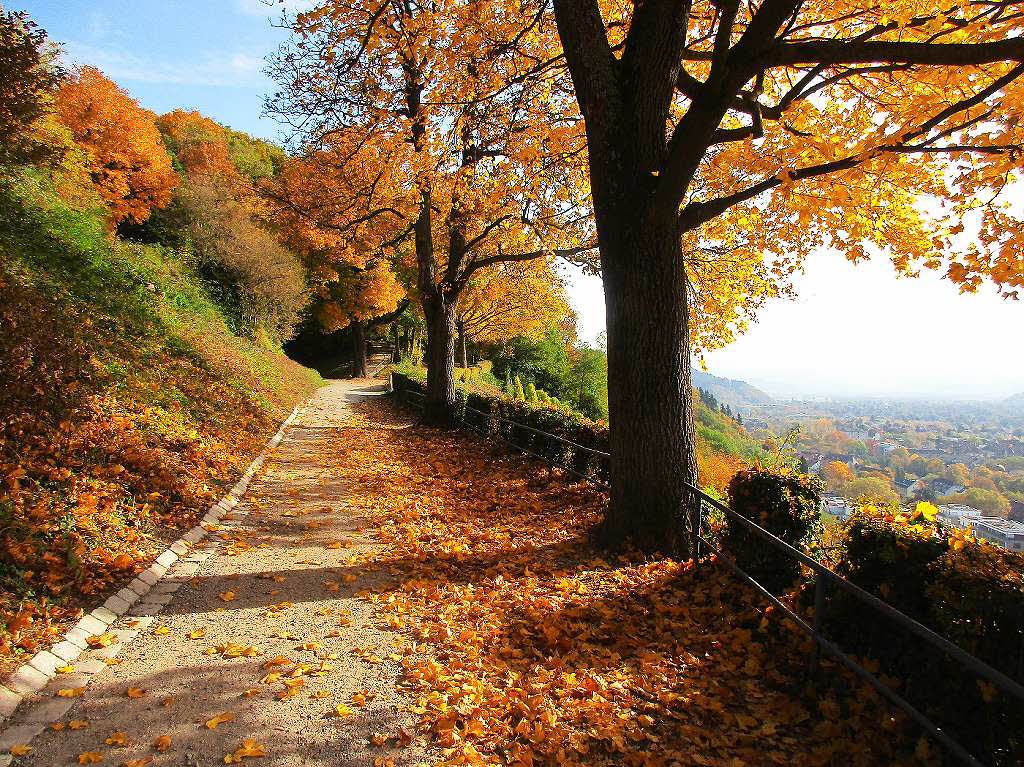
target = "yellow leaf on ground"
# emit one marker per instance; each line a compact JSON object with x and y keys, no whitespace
{"x":197,"y":634}
{"x":227,"y":596}
{"x":65,"y":669}
{"x":161,"y":631}
{"x":71,"y":692}
{"x":20,"y":749}
{"x":227,"y":716}
{"x":343,"y":711}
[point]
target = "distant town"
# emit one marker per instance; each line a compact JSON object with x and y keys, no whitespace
{"x":965,"y":457}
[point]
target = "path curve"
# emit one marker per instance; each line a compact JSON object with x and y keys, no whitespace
{"x":280,"y":581}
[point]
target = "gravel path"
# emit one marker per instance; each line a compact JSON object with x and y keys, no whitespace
{"x":279,"y":591}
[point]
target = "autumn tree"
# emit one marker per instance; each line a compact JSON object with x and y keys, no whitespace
{"x":359,"y":299}
{"x":470,"y":129}
{"x":775,"y":127}
{"x":836,"y":474}
{"x":510,"y":299}
{"x":126,"y":158}
{"x":26,"y":89}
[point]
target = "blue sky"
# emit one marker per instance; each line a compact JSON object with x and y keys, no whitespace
{"x":199,"y":55}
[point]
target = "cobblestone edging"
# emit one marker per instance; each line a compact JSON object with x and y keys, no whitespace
{"x":37,"y":681}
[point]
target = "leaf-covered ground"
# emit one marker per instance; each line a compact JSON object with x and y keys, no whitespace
{"x":538,"y":649}
{"x":399,"y":596}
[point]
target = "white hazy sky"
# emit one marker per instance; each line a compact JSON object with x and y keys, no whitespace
{"x":859,"y":330}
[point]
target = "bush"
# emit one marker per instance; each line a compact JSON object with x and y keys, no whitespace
{"x":505,"y":419}
{"x":786,"y":505}
{"x":518,"y":392}
{"x":971,"y":594}
{"x":531,"y":392}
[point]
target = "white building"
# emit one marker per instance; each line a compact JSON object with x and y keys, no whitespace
{"x":836,"y":506}
{"x":1002,"y":532}
{"x":958,"y":514}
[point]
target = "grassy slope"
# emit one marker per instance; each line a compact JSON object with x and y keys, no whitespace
{"x":126,"y":405}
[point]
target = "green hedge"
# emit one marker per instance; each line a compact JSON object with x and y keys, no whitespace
{"x":971,"y":594}
{"x":504,"y":419}
{"x":785,"y":505}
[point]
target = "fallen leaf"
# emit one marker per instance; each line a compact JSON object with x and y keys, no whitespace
{"x":78,"y":724}
{"x":227,"y":596}
{"x":162,"y":743}
{"x":161,"y":631}
{"x":227,"y":716}
{"x":20,"y":749}
{"x":134,"y":692}
{"x":118,"y":739}
{"x":71,"y":692}
{"x":343,"y":711}
{"x":90,"y":757}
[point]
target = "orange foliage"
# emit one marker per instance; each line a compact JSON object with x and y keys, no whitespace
{"x":125,"y":155}
{"x":95,"y":473}
{"x":716,"y":469}
{"x":523,"y":645}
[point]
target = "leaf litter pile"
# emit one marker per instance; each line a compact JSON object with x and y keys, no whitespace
{"x":531,"y":647}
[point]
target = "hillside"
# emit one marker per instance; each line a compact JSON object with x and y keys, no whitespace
{"x":126,"y":403}
{"x":730,"y":391}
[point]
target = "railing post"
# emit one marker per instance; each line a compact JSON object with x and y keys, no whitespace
{"x":697,"y":518}
{"x":819,"y":609}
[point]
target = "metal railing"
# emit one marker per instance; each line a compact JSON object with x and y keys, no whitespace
{"x":823,"y":578}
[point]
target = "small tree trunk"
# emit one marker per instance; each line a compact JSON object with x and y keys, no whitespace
{"x":412,"y":341}
{"x":395,"y":351}
{"x":463,"y":359}
{"x":649,"y":395}
{"x":440,"y":357}
{"x":358,"y":350}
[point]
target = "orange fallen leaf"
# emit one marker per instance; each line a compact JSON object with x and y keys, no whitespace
{"x":227,"y":596}
{"x":100,"y":640}
{"x":78,"y":724}
{"x":118,"y":739}
{"x":71,"y":692}
{"x":20,"y":749}
{"x":169,"y":700}
{"x":56,"y":726}
{"x":90,"y":757}
{"x":162,"y":743}
{"x":134,"y":692}
{"x":249,"y":748}
{"x":227,"y":716}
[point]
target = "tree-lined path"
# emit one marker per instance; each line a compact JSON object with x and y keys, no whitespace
{"x":398,"y":595}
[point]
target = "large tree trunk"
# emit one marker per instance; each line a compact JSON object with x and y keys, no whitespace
{"x":440,"y":360}
{"x":649,"y":395}
{"x":358,"y":350}
{"x":463,"y":357}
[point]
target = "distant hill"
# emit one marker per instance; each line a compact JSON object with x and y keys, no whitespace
{"x":1016,"y":400}
{"x":730,"y":391}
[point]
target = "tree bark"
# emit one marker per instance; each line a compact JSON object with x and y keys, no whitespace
{"x":359,"y":369}
{"x":395,"y":351}
{"x":440,"y":358}
{"x":463,"y":357}
{"x":653,"y":459}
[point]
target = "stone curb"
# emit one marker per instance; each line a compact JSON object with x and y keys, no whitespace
{"x":34,"y":675}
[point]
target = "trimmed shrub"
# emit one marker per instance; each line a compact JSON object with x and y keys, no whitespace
{"x":972,"y":594}
{"x":786,"y":505}
{"x":498,"y":417}
{"x":531,"y":392}
{"x":518,"y":392}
